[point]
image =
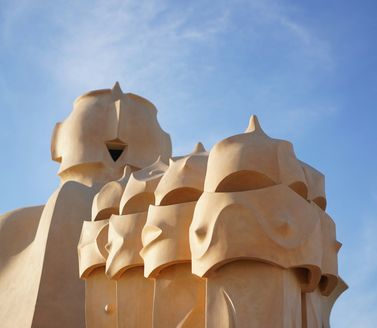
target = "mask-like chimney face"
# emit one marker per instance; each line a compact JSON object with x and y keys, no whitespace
{"x":165,"y":234}
{"x":253,"y":160}
{"x":184,"y":179}
{"x":106,"y":130}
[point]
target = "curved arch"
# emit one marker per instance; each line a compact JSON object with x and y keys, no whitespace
{"x":139,"y":203}
{"x":321,"y":202}
{"x":243,"y":181}
{"x":299,"y":188}
{"x":327,"y":284}
{"x":181,"y":195}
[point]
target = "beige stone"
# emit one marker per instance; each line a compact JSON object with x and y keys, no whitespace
{"x":166,"y":250}
{"x":125,"y":242}
{"x":253,"y":294}
{"x":90,"y":248}
{"x":261,"y":222}
{"x":165,"y":236}
{"x":107,"y":249}
{"x":56,"y":265}
{"x":315,"y":181}
{"x":134,"y":299}
{"x":234,"y":237}
{"x":124,"y":266}
{"x":318,"y":305}
{"x":108,"y":124}
{"x":179,"y":298}
{"x":100,"y":300}
{"x":17,"y":258}
{"x":253,"y":161}
{"x":139,"y":192}
{"x":106,"y":202}
{"x":183,"y":182}
{"x":42,"y":241}
{"x":277,"y":227}
{"x":100,"y":292}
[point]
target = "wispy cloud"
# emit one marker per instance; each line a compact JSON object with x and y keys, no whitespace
{"x":143,"y":43}
{"x":96,"y":41}
{"x":281,"y":15}
{"x":164,"y":49}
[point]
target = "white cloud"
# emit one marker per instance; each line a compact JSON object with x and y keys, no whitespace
{"x":150,"y":45}
{"x":142,"y":43}
{"x":97,"y":42}
{"x":158,"y":48}
{"x":282,"y":17}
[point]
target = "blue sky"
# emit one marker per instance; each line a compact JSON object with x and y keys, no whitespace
{"x":308,"y":69}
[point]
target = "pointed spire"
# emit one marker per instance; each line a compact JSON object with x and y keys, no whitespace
{"x":199,"y":148}
{"x":254,"y":125}
{"x":117,"y":91}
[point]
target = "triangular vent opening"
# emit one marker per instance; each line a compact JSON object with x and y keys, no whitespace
{"x":115,"y":148}
{"x":115,"y":153}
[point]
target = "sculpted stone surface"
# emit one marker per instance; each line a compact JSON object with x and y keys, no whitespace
{"x":106,"y":201}
{"x":106,"y":131}
{"x":234,"y":237}
{"x":139,"y":192}
{"x":253,"y":294}
{"x":254,"y":161}
{"x":100,"y":292}
{"x":277,"y":227}
{"x":124,"y":243}
{"x":90,"y":247}
{"x":124,"y":266}
{"x":260,"y":221}
{"x":166,"y":250}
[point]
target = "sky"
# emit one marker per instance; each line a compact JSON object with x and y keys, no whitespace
{"x":307,"y":69}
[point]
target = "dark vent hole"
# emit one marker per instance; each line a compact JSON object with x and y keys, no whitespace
{"x":115,"y":148}
{"x":115,"y":153}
